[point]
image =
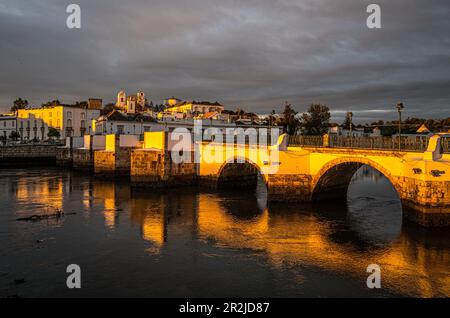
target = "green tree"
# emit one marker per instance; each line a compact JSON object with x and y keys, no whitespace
{"x":316,"y":119}
{"x":290,"y":121}
{"x":53,"y":133}
{"x":19,"y":104}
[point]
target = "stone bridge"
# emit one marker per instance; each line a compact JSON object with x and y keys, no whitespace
{"x":306,"y":174}
{"x":291,"y":173}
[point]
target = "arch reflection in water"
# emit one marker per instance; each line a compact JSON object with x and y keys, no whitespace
{"x":194,"y":237}
{"x":341,"y":239}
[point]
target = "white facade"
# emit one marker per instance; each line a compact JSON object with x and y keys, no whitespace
{"x":105,"y":127}
{"x":8,"y":124}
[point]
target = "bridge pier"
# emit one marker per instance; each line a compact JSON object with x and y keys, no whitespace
{"x":115,"y":160}
{"x":289,"y":187}
{"x":425,"y":202}
{"x":153,"y":166}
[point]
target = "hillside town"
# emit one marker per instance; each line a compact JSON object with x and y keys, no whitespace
{"x":134,"y":114}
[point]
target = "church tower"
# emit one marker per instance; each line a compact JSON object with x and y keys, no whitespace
{"x":140,"y":99}
{"x":121,"y":100}
{"x":131,"y":105}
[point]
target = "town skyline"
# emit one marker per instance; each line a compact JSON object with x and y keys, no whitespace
{"x":254,"y":55}
{"x":337,"y":115}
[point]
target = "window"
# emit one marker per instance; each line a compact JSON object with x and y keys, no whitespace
{"x":69,"y":123}
{"x":82,"y":116}
{"x":50,"y":114}
{"x":13,"y":123}
{"x":69,"y":114}
{"x":120,"y":129}
{"x":4,"y":124}
{"x":83,"y":125}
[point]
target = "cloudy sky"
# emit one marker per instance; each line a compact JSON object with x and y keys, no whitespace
{"x":253,"y":54}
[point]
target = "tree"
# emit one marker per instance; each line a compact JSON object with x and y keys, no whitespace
{"x":316,"y":119}
{"x":82,"y":104}
{"x":290,"y":121}
{"x":19,"y":104}
{"x":14,"y":135}
{"x":272,"y":118}
{"x":54,"y":102}
{"x":347,"y":122}
{"x":53,"y":133}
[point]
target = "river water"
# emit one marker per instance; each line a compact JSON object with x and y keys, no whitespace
{"x":187,"y":243}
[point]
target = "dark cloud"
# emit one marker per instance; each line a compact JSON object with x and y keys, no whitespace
{"x":254,"y":54}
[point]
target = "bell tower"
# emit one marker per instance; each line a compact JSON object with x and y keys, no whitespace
{"x":121,"y":100}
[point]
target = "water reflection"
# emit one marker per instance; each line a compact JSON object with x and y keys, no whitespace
{"x":338,"y":240}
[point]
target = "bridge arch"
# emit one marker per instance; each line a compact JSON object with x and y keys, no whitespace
{"x":239,"y":172}
{"x":333,"y":179}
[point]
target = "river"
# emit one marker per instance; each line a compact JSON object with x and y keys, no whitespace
{"x":190,"y":243}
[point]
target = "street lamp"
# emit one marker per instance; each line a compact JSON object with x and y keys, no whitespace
{"x":400,"y":107}
{"x":350,"y":119}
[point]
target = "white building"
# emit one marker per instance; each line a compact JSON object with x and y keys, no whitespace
{"x":29,"y":128}
{"x":8,"y":124}
{"x":339,"y":131}
{"x":119,"y":122}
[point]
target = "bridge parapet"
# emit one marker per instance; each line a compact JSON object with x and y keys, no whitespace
{"x":387,"y":143}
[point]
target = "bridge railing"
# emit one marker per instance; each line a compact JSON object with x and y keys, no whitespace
{"x":260,"y":140}
{"x":306,"y":141}
{"x":445,"y":142}
{"x":419,"y":144}
{"x":382,"y":143}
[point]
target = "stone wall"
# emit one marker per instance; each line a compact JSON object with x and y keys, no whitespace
{"x":289,"y":188}
{"x":83,"y":159}
{"x":104,"y":162}
{"x":425,"y":202}
{"x":28,"y":155}
{"x":115,"y":163}
{"x":155,"y":168}
{"x":63,"y":157}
